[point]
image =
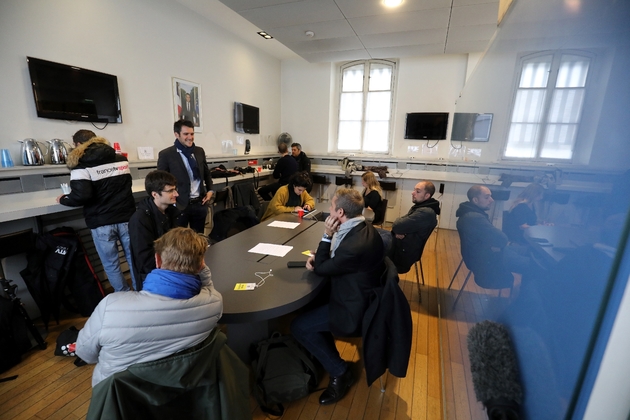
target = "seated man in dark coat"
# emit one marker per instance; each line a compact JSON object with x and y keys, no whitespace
{"x":410,"y":232}
{"x":351,"y":254}
{"x":485,"y":247}
{"x":154,"y":216}
{"x":285,"y":167}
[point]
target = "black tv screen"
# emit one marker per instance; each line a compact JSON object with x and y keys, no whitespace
{"x":471,"y":127}
{"x":426,"y":126}
{"x":66,"y":92}
{"x":246,"y":118}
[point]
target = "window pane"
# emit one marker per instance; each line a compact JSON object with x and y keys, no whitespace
{"x":349,"y":135}
{"x":559,"y":139}
{"x":380,"y":77}
{"x":528,"y":105}
{"x":353,"y":79}
{"x":378,"y":106}
{"x":376,"y":135}
{"x":535,"y":73}
{"x":522,"y":140}
{"x":351,"y":106}
{"x":572,"y":72}
{"x":566,"y":105}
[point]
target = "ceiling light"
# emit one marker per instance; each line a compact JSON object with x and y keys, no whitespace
{"x":265,"y":35}
{"x":392,"y":3}
{"x":309,"y":34}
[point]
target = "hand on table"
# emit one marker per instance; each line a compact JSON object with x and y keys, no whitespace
{"x":310,"y":262}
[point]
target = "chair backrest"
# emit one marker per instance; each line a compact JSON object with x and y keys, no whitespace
{"x":485,"y":264}
{"x":379,"y":214}
{"x":262,"y":209}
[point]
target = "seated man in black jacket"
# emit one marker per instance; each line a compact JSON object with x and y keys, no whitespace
{"x":351,"y":254}
{"x":154,"y":216}
{"x":285,"y":167}
{"x":410,"y":232}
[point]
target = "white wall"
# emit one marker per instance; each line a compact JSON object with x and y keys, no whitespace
{"x":424,"y":84}
{"x":144,"y":43}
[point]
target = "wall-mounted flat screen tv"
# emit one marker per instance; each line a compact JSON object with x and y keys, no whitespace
{"x":426,"y":125}
{"x":66,"y":92}
{"x":246,"y":118}
{"x":471,"y":127}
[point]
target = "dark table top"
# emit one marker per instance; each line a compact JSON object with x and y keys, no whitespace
{"x":553,"y":242}
{"x":288,"y":289}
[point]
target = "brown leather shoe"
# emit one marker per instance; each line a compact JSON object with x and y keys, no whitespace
{"x":337,"y":388}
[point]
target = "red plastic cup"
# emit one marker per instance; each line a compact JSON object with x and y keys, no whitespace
{"x":300,"y":212}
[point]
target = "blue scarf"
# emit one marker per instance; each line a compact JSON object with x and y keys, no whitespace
{"x":172,"y":284}
{"x":188,"y":153}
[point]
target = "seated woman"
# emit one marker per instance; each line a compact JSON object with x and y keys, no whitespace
{"x":372,"y":195}
{"x":291,"y":197}
{"x":522,"y":213}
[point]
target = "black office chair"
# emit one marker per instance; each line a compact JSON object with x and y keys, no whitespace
{"x":379,"y":213}
{"x":346,"y":181}
{"x":320,"y":181}
{"x":498,"y":280}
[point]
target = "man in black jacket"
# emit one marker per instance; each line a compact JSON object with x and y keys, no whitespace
{"x":285,"y":167}
{"x":155,"y":215}
{"x":485,"y":247}
{"x":187,"y":162}
{"x":304,"y":163}
{"x":101,"y":182}
{"x":410,"y":232}
{"x":351,"y":254}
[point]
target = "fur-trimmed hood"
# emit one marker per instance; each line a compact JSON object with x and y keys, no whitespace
{"x":101,"y":150}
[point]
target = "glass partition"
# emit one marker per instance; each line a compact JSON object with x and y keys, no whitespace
{"x":555,"y":78}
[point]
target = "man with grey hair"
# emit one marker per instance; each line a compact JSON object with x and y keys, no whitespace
{"x":304,"y":163}
{"x":351,"y":254}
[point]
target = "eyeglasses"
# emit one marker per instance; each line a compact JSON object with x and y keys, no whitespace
{"x":170,"y":191}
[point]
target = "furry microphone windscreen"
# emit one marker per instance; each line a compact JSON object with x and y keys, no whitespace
{"x":493,"y":364}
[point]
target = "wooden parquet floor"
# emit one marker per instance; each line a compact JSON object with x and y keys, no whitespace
{"x":437,"y":385}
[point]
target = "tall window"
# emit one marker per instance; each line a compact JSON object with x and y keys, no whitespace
{"x":365,"y":106}
{"x":548,"y":106}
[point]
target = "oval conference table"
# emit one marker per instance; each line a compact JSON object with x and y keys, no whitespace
{"x":248,"y":313}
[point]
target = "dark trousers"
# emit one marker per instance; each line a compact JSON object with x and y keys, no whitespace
{"x":268,"y":191}
{"x":312,"y":330}
{"x":195,"y":215}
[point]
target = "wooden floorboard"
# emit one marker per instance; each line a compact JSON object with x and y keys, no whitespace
{"x":50,"y":387}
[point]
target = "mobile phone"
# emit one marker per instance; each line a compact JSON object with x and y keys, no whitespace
{"x":296,"y":264}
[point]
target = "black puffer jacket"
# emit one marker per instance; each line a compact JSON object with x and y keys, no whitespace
{"x":417,"y":226}
{"x":101,"y":183}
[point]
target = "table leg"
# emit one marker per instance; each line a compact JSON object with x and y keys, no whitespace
{"x":241,"y":336}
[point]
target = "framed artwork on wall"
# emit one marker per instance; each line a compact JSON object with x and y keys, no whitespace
{"x":187,"y":102}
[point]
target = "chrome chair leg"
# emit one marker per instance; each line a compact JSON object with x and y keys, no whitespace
{"x":380,"y":381}
{"x":455,"y":275}
{"x":462,"y":289}
{"x":418,"y":279}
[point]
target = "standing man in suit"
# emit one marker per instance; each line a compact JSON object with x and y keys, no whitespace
{"x":285,"y":167}
{"x":188,"y":110}
{"x":351,"y":254}
{"x":194,"y":182}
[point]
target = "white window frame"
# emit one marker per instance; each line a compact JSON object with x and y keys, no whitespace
{"x":366,"y":63}
{"x":553,"y":75}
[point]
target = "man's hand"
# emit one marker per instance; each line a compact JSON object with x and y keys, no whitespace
{"x":309,"y":263}
{"x":206,"y":198}
{"x":59,"y":198}
{"x":331,"y":225}
{"x":399,"y":236}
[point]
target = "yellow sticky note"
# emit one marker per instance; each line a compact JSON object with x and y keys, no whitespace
{"x":245,"y":286}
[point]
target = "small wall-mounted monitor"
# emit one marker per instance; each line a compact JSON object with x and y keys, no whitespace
{"x":471,"y":127}
{"x":246,"y":118}
{"x":66,"y":92}
{"x":426,"y":125}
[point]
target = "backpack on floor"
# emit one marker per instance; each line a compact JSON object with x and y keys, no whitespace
{"x":284,"y":372}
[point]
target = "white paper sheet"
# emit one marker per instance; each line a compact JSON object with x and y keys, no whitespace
{"x":285,"y":225}
{"x":271,"y":249}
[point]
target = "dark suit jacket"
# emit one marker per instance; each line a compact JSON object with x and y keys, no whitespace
{"x":354,"y":271}
{"x":169,"y":160}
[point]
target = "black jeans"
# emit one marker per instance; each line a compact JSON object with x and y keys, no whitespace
{"x":268,"y":191}
{"x":195,"y":215}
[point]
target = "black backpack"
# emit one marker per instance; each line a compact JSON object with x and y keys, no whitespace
{"x":284,"y":372}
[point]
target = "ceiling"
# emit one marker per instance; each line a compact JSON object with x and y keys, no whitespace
{"x":361,"y":29}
